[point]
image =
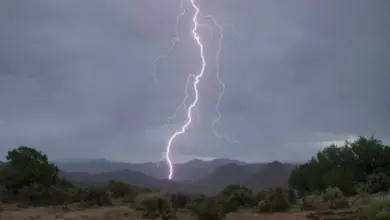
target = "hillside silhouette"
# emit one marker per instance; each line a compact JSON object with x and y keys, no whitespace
{"x":195,"y":176}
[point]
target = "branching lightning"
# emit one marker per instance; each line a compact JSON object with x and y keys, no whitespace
{"x":174,"y":42}
{"x":195,"y":87}
{"x":194,"y":79}
{"x":223,"y":86}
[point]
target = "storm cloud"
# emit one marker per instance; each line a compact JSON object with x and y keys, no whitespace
{"x":77,"y":77}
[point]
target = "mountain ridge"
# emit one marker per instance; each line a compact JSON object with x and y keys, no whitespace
{"x":197,"y":176}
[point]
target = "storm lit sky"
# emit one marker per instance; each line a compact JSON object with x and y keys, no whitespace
{"x":77,"y":78}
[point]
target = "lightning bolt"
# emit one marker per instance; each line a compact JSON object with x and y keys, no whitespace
{"x":221,"y":83}
{"x":195,"y":84}
{"x":182,"y":104}
{"x":175,"y":40}
{"x":195,"y":79}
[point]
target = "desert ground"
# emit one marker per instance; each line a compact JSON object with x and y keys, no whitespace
{"x":120,"y":213}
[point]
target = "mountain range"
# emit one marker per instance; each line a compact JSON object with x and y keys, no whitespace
{"x":195,"y":176}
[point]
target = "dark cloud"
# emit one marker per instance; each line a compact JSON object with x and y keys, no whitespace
{"x":76,"y":77}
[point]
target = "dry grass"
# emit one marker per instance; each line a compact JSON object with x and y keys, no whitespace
{"x":74,"y":212}
{"x":70,"y":213}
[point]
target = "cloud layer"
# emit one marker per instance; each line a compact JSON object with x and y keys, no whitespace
{"x":76,"y":77}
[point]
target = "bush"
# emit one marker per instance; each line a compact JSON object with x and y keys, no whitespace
{"x":38,"y":195}
{"x":179,"y":200}
{"x":385,"y":215}
{"x":209,"y":209}
{"x":59,"y":196}
{"x":95,"y":195}
{"x":33,"y":195}
{"x":155,"y":205}
{"x":237,"y":199}
{"x":4,"y":197}
{"x":273,"y":200}
{"x":378,"y":182}
{"x":119,"y":189}
{"x":311,"y":202}
{"x":334,"y":198}
{"x":292,"y":195}
{"x":376,"y":210}
{"x":234,"y":197}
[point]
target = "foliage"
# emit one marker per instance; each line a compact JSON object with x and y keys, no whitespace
{"x":273,"y":200}
{"x":209,"y":209}
{"x":377,"y":210}
{"x":311,"y":202}
{"x":179,"y":200}
{"x":334,"y":198}
{"x":383,"y":215}
{"x":120,"y":189}
{"x":32,"y":167}
{"x":36,"y":195}
{"x":95,"y":195}
{"x":292,"y":195}
{"x":233,"y":197}
{"x":331,"y":198}
{"x":377,"y":182}
{"x":155,"y":205}
{"x":344,"y":166}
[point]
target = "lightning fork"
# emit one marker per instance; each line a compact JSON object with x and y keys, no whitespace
{"x":196,"y":81}
{"x":221,"y":83}
{"x":182,"y":104}
{"x":175,"y":39}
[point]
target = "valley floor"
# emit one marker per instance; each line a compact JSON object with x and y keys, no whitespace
{"x":118,"y":213}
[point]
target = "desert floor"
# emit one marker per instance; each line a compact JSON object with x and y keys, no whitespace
{"x":119,"y":213}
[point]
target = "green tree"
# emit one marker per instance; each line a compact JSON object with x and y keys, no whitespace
{"x":234,"y":197}
{"x":179,"y":200}
{"x":343,"y":167}
{"x":33,"y":166}
{"x":27,"y":168}
{"x":155,"y":205}
{"x":274,"y":199}
{"x":209,"y":208}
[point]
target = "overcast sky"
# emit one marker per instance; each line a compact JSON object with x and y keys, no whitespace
{"x":77,"y":77}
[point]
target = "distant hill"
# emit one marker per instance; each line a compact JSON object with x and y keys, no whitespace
{"x":255,"y":176}
{"x":193,"y":176}
{"x":134,"y":178}
{"x":195,"y":170}
{"x":225,"y":175}
{"x":273,"y":174}
{"x":189,"y":172}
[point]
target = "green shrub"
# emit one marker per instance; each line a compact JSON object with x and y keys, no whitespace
{"x":155,"y":205}
{"x":58,"y":196}
{"x":334,"y":198}
{"x":95,"y":195}
{"x":33,"y":195}
{"x":179,"y":200}
{"x":234,"y":197}
{"x":238,"y":199}
{"x":121,"y":190}
{"x":4,"y":197}
{"x":311,"y":202}
{"x":384,"y":215}
{"x":378,"y":208}
{"x":378,"y":182}
{"x":273,"y":200}
{"x":38,"y":195}
{"x":292,"y":195}
{"x":209,"y":209}
{"x":64,"y":183}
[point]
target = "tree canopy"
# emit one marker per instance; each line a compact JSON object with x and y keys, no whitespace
{"x":364,"y":163}
{"x":25,"y":167}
